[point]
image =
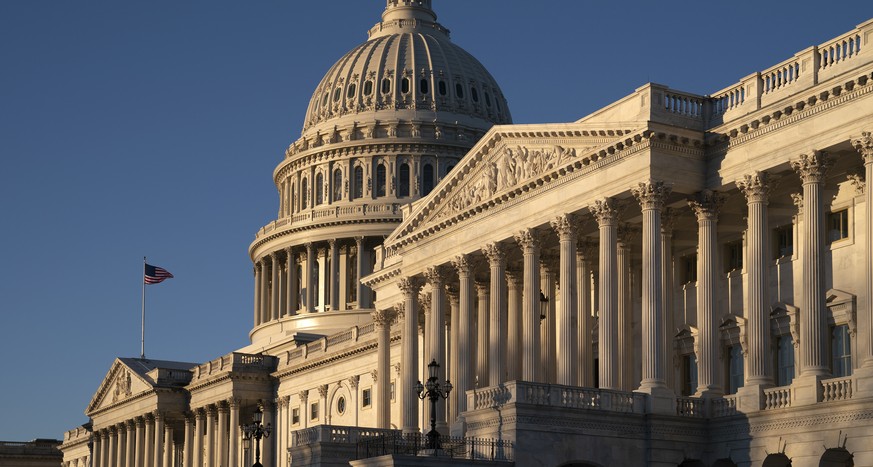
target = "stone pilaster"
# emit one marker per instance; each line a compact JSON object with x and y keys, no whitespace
{"x":706,"y":208}
{"x":864,"y":145}
{"x":496,"y":254}
{"x":607,"y":212}
{"x":409,"y":286}
{"x":567,"y":344}
{"x":383,"y":320}
{"x":464,"y":378}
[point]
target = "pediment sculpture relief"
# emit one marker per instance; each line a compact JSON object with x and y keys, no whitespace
{"x":122,"y":386}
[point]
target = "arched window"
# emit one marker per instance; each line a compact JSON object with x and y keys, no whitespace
{"x":403,"y":190}
{"x":337,"y":185}
{"x":368,"y":88}
{"x":319,"y":189}
{"x":459,"y":90}
{"x":474,"y":94}
{"x":336,"y":94}
{"x":351,"y":91}
{"x":427,"y":179}
{"x":386,"y":86}
{"x":359,"y":183}
{"x":381,"y":181}
{"x":404,"y":85}
{"x":304,"y":195}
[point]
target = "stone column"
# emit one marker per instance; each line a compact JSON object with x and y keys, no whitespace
{"x":233,"y":438}
{"x":668,"y":217}
{"x":584,"y":254}
{"x":265,"y":292}
{"x":139,"y":449}
{"x":529,"y":242}
{"x":409,"y":286}
{"x":756,"y":189}
{"x":334,"y":275}
{"x":453,"y":356}
{"x":199,"y":420}
{"x":130,"y":445}
{"x":514,"y":324}
{"x":210,"y":437}
{"x":221,"y":458}
{"x":864,"y":145}
{"x":292,"y":293}
{"x":496,"y":254}
{"x":258,"y":278}
{"x":626,"y":360}
{"x":267,"y":451}
{"x":359,"y":257}
{"x":112,"y":446}
{"x":437,"y":334}
{"x":158,"y":455}
{"x":548,"y":328}
{"x":188,"y":448}
{"x":567,"y":357}
{"x":310,"y":279}
{"x":120,"y":445}
{"x":282,"y":284}
{"x":274,"y":287}
{"x":482,"y":334}
{"x":149,"y":442}
{"x":383,"y":320}
{"x":169,"y":447}
{"x":706,"y":208}
{"x":100,"y":445}
{"x":606,"y":213}
{"x":463,"y":265}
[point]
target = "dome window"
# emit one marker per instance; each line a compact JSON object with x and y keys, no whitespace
{"x":404,"y":85}
{"x":474,"y":94}
{"x":319,"y":189}
{"x":337,"y":93}
{"x":381,"y":180}
{"x":442,"y":87}
{"x":326,"y":97}
{"x":337,"y":185}
{"x":423,"y":86}
{"x":386,"y":85}
{"x":427,"y":179}
{"x":487,"y":99}
{"x":351,"y":92}
{"x":304,"y":196}
{"x":368,"y":88}
{"x":404,"y":181}
{"x":459,"y":90}
{"x":358,"y":188}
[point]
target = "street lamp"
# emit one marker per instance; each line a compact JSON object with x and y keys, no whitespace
{"x":255,"y":432}
{"x":432,"y":390}
{"x":544,"y":305}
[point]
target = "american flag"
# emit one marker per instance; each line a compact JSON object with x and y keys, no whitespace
{"x":156,"y":275}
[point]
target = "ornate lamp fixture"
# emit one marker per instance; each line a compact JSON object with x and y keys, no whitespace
{"x":255,"y":431}
{"x":433,"y":391}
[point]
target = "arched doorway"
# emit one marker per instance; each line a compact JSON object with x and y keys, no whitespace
{"x":837,"y":457}
{"x":777,"y":460}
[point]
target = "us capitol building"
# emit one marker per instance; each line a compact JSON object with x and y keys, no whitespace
{"x":675,"y":279}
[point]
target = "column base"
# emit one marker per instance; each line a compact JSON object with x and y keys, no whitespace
{"x":750,"y":398}
{"x":710,"y":392}
{"x":863,"y":381}
{"x":661,"y":400}
{"x":807,"y":389}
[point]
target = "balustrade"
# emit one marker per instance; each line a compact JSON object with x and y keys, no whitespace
{"x":837,"y":389}
{"x":777,"y":398}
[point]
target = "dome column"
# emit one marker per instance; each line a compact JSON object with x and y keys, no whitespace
{"x":310,"y":279}
{"x":333,"y":277}
{"x":274,"y":287}
{"x":257,"y":271}
{"x":293,"y":293}
{"x":364,"y":292}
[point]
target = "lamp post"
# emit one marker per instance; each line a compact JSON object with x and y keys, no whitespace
{"x":253,"y":433}
{"x":432,"y":390}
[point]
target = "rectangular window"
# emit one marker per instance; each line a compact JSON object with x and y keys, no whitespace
{"x":784,"y":360}
{"x":735,"y":368}
{"x":295,"y":416}
{"x":838,"y":225}
{"x":689,"y":268}
{"x":841,"y":351}
{"x":366,"y":397}
{"x":733,"y":256}
{"x":784,"y":241}
{"x":392,"y":390}
{"x":689,"y":375}
{"x":313,"y":411}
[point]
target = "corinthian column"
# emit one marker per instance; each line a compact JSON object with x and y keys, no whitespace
{"x":453,"y":357}
{"x":383,"y":320}
{"x":606,"y":213}
{"x":257,"y":269}
{"x":292,"y":294}
{"x":112,"y":450}
{"x":197,"y":455}
{"x":274,"y":286}
{"x":437,"y":333}
{"x":530,"y":245}
{"x":668,"y":218}
{"x":626,"y":360}
{"x":130,"y":444}
{"x":706,"y":209}
{"x":496,"y":254}
{"x":464,"y":267}
{"x":233,"y":448}
{"x":756,"y":188}
{"x":482,"y":332}
{"x":149,"y":443}
{"x":513,"y":338}
{"x":188,"y":448}
{"x":310,"y":278}
{"x":333,"y":277}
{"x":864,"y":145}
{"x":265,"y":292}
{"x":409,"y":286}
{"x":221,"y":458}
{"x":139,"y":449}
{"x":210,"y":436}
{"x":567,"y":345}
{"x":584,"y":254}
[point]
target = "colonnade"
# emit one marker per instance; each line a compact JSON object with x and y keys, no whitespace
{"x":317,"y":276}
{"x":145,"y":441}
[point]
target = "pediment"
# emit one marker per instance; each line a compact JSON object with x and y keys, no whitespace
{"x":121,"y":382}
{"x":513,"y":158}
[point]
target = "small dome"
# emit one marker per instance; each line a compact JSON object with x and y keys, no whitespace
{"x":409,"y":70}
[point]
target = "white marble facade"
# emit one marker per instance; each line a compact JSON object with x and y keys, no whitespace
{"x":675,"y":279}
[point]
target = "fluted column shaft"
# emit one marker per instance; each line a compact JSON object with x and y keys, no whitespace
{"x":383,"y":320}
{"x":464,"y":376}
{"x":188,"y":448}
{"x":437,"y":334}
{"x":112,"y":450}
{"x":139,"y":448}
{"x":221,"y":458}
{"x":130,"y":444}
{"x":292,"y":294}
{"x":514,"y":325}
{"x":267,"y":447}
{"x":233,"y":447}
{"x":210,"y":437}
{"x":756,"y":189}
{"x":864,"y":145}
{"x":668,"y":216}
{"x":409,"y":286}
{"x":120,"y":448}
{"x":567,"y":356}
{"x":310,"y":278}
{"x":281,"y":284}
{"x":453,"y":356}
{"x":548,"y":328}
{"x":607,"y":219}
{"x":258,"y":278}
{"x":496,"y":255}
{"x":100,"y":445}
{"x":168,"y":446}
{"x":530,"y":245}
{"x":482,"y":333}
{"x":334,"y":275}
{"x":625,"y":318}
{"x":583,"y":288}
{"x":708,"y":373}
{"x":149,"y":443}
{"x":158,"y":455}
{"x":199,"y":420}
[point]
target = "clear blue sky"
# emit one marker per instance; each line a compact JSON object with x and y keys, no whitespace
{"x":131,"y":128}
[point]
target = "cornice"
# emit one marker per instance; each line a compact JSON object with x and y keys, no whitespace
{"x":383,"y":275}
{"x":365,"y":347}
{"x":320,"y":225}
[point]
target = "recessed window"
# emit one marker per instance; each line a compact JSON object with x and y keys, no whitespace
{"x":351,"y":91}
{"x":838,"y":225}
{"x":784,"y":241}
{"x":403,"y":189}
{"x":784,"y":360}
{"x":689,"y":268}
{"x":689,"y":375}
{"x":368,"y":87}
{"x":841,"y":351}
{"x":459,"y":90}
{"x":366,"y":397}
{"x":404,"y":85}
{"x":336,"y":94}
{"x":337,"y":185}
{"x":487,"y":99}
{"x":427,"y":179}
{"x":358,"y":188}
{"x":381,"y":180}
{"x":424,"y":86}
{"x":313,"y":411}
{"x":319,"y":189}
{"x":442,"y":87}
{"x":393,"y":393}
{"x":735,"y":368}
{"x":304,"y":193}
{"x":326,"y":97}
{"x":474,"y":94}
{"x":341,"y":405}
{"x":733,"y":256}
{"x":295,"y":416}
{"x":386,"y":86}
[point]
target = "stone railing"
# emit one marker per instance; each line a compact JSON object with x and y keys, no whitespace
{"x":694,"y":407}
{"x":347,"y":338}
{"x":235,"y":361}
{"x":837,"y":389}
{"x":336,"y":434}
{"x":326,"y":213}
{"x":38,"y":447}
{"x":723,"y":407}
{"x":555,"y":395}
{"x":777,"y":398}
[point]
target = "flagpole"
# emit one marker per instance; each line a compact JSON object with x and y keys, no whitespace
{"x":142,"y":329}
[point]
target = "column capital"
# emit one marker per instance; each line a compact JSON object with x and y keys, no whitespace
{"x":755,"y":186}
{"x":265,"y":405}
{"x":482,"y":287}
{"x":435,"y":276}
{"x":707,"y":204}
{"x":222,"y":406}
{"x":424,"y":301}
{"x":274,"y":256}
{"x":322,"y":390}
{"x":864,"y":145}
{"x":668,"y":220}
{"x":453,"y":294}
{"x":409,"y":285}
{"x":384,"y":317}
{"x":528,"y":239}
{"x":303,"y":396}
{"x":140,"y":421}
{"x":812,"y":167}
{"x":651,"y":194}
{"x":606,"y":211}
{"x":331,"y":242}
{"x":495,"y":252}
{"x":566,"y":226}
{"x":514,"y":277}
{"x":233,"y":402}
{"x":463,"y":264}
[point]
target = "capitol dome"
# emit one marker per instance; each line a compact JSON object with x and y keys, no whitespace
{"x":408,"y":64}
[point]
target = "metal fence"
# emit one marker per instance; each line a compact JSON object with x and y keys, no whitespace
{"x":415,"y":444}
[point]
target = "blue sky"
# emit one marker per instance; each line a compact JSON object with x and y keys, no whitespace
{"x":131,"y":128}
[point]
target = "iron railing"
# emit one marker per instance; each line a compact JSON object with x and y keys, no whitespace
{"x":415,"y":444}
